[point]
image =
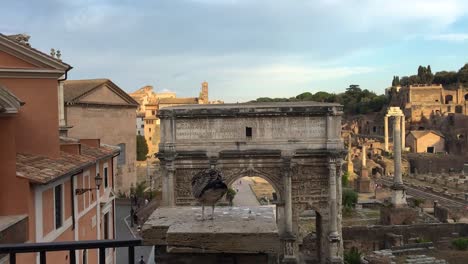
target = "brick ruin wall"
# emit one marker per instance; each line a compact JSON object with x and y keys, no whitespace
{"x":427,"y":163}
{"x":370,"y":238}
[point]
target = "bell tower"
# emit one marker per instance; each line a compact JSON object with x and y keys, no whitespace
{"x":203,"y":99}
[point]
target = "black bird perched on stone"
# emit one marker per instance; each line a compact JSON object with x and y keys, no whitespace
{"x":208,"y":188}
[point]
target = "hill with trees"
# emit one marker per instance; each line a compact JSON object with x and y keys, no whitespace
{"x":425,"y":76}
{"x":355,"y":100}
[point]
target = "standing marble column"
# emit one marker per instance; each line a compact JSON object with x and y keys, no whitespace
{"x":333,"y":236}
{"x":403,"y":133}
{"x":339,"y":192}
{"x":397,"y":150}
{"x":288,"y":200}
{"x":288,"y":238}
{"x":170,"y":185}
{"x":364,"y":156}
{"x":386,"y":132}
{"x":398,"y":189}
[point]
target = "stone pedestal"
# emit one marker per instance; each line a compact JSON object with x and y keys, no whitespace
{"x":398,"y":216}
{"x":399,"y":195}
{"x":363,"y":183}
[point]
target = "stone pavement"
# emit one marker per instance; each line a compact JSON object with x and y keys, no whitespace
{"x":423,"y":259}
{"x":122,"y":232}
{"x":245,"y":195}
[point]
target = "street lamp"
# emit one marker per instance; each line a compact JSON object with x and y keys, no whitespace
{"x":97,"y":180}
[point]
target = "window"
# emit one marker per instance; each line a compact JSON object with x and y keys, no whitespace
{"x":106,"y":226}
{"x":106,"y":178}
{"x":153,"y":112}
{"x":121,"y":157}
{"x":149,"y":138}
{"x":58,"y":203}
{"x":448,"y":99}
{"x":458,"y":109}
{"x":139,"y":133}
{"x":374,"y":129}
{"x":248,"y":132}
{"x":430,"y":149}
{"x":142,"y":126}
{"x":150,"y":129}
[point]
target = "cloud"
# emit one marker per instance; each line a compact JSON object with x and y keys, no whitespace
{"x":243,"y":46}
{"x":451,"y":37}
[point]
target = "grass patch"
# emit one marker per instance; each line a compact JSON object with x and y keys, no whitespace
{"x":460,"y":243}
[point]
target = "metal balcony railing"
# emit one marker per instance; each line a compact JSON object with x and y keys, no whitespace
{"x":71,"y":246}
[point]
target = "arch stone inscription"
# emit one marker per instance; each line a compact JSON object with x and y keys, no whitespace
{"x":297,"y":147}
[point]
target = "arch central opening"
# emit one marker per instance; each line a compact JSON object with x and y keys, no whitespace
{"x":253,"y":191}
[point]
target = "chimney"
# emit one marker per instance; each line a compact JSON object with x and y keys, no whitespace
{"x":71,"y":148}
{"x":92,"y":142}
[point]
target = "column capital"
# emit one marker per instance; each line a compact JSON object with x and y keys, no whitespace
{"x":332,"y":161}
{"x":334,"y":237}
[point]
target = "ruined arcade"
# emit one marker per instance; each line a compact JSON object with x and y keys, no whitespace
{"x":295,"y":146}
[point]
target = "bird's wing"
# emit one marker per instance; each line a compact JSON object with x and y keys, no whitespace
{"x":201,"y":180}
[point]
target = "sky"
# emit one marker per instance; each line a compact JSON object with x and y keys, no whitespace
{"x":245,"y":49}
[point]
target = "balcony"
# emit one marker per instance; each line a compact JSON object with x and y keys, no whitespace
{"x":71,"y":247}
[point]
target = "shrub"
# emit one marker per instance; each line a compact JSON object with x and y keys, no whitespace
{"x":418,"y":202}
{"x":230,"y":195}
{"x":349,"y":198}
{"x":345,"y":179}
{"x":460,"y":243}
{"x":422,"y":240}
{"x":353,"y":256}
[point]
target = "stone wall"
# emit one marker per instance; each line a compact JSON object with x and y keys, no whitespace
{"x":430,"y":163}
{"x":114,"y":126}
{"x":370,"y":238}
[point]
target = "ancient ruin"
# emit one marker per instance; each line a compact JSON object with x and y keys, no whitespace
{"x":295,"y":146}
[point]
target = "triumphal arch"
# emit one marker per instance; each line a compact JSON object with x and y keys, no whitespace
{"x":296,"y":146}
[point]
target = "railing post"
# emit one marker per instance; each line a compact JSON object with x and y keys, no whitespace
{"x":131,"y":254}
{"x":102,"y":255}
{"x":42,"y":257}
{"x":72,"y":256}
{"x":12,"y":258}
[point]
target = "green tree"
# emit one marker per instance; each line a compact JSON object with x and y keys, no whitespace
{"x":142,"y":147}
{"x":463,"y":74}
{"x":414,"y":79}
{"x":304,"y":96}
{"x":396,"y":81}
{"x":404,"y":81}
{"x":445,"y":78}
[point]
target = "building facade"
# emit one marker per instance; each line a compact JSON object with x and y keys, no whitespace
{"x":98,"y":108}
{"x":423,"y":101}
{"x":151,"y":102}
{"x":426,"y":141}
{"x":43,"y":175}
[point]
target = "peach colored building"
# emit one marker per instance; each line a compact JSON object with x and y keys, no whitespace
{"x":98,"y":108}
{"x":41,"y":173}
{"x":427,"y":141}
{"x":424,"y":101}
{"x":149,"y":105}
